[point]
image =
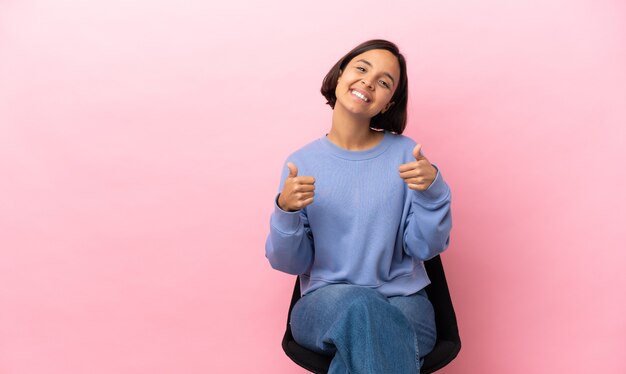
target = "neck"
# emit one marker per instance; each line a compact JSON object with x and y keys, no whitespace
{"x":351,"y":132}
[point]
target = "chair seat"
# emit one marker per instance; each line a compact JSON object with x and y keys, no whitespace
{"x":443,"y":352}
{"x":309,"y":360}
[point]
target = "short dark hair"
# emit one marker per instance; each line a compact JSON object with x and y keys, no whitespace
{"x":394,"y":119}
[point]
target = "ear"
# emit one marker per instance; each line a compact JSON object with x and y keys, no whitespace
{"x":386,"y":108}
{"x":339,"y":76}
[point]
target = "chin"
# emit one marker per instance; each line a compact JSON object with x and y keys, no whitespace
{"x":358,"y":110}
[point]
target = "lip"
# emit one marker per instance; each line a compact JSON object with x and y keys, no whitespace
{"x":367,"y":95}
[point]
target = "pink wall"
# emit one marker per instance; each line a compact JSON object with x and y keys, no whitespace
{"x":141,"y":145}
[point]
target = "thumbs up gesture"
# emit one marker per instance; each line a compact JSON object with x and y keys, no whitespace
{"x":419,"y":174}
{"x":297,"y":191}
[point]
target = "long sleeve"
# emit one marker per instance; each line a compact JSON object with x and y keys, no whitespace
{"x":428,"y":224}
{"x":289,"y":245}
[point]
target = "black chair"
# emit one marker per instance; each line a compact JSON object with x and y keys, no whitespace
{"x":448,"y":342}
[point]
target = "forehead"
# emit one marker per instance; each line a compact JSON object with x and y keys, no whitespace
{"x":381,"y":59}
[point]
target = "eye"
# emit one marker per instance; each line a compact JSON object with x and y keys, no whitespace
{"x":360,"y":68}
{"x":384,"y":84}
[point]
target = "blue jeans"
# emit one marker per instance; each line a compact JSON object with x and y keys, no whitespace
{"x":364,"y":330}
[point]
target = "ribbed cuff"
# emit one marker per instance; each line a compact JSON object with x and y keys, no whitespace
{"x":283,"y":221}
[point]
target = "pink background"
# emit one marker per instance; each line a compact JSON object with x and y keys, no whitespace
{"x":141,"y":145}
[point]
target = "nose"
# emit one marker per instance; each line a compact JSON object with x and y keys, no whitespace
{"x":366,"y":83}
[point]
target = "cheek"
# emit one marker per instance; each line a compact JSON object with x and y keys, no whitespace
{"x":385,"y":97}
{"x":341,"y":88}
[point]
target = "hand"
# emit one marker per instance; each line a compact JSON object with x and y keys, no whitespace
{"x":419,"y":174}
{"x":297,"y":191}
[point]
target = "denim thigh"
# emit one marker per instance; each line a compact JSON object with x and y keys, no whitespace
{"x":316,"y":312}
{"x":421,"y":315}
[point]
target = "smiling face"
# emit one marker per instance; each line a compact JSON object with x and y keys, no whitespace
{"x":367,"y":83}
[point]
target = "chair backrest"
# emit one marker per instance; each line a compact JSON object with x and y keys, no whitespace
{"x":448,"y":342}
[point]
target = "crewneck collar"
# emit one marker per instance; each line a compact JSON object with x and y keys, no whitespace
{"x":366,"y":154}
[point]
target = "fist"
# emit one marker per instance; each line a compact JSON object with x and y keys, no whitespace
{"x":297,"y":191}
{"x":419,"y":174}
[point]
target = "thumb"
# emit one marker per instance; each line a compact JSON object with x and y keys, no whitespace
{"x":417,"y":152}
{"x":293,"y":170}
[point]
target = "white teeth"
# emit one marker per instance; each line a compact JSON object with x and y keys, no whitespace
{"x":359,"y":95}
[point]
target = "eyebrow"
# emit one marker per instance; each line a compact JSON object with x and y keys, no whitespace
{"x":370,"y":65}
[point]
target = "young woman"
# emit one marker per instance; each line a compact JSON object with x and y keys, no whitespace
{"x":358,"y":211}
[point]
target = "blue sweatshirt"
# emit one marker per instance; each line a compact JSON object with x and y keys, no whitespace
{"x":365,"y":226}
